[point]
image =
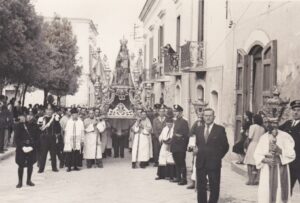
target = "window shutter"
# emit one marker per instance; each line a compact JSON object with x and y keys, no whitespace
{"x":241,"y":89}
{"x":269,"y":61}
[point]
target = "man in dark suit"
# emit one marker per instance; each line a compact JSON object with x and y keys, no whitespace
{"x":293,"y":128}
{"x":211,"y":147}
{"x":179,"y":144}
{"x":158,"y":124}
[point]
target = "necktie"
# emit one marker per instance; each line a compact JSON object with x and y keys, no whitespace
{"x":74,"y":135}
{"x":206,"y":133}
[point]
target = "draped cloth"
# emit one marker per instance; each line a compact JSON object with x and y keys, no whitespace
{"x":165,"y":156}
{"x":274,"y":184}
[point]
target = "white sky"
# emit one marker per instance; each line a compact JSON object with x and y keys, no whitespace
{"x":114,"y":18}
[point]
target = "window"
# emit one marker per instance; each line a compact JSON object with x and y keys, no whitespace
{"x":200,"y":92}
{"x":200,"y":20}
{"x":178,"y":29}
{"x":150,"y":52}
{"x":160,"y":42}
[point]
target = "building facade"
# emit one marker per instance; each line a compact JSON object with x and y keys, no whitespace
{"x":231,"y":54}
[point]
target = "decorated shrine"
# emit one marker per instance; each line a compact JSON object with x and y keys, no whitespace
{"x":121,"y":97}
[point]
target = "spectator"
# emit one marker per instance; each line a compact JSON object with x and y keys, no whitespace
{"x":255,"y":132}
{"x":238,"y":148}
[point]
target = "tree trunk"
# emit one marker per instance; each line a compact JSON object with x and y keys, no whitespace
{"x":1,"y":86}
{"x":24,"y":94}
{"x":45,"y":96}
{"x":58,"y":100}
{"x":17,"y":90}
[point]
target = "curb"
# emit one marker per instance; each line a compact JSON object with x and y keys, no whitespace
{"x":239,"y":169}
{"x":8,"y":154}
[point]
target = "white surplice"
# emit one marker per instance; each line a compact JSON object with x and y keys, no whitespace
{"x":92,"y":142}
{"x":165,"y":156}
{"x":286,"y":143}
{"x":74,"y":135}
{"x":142,"y":143}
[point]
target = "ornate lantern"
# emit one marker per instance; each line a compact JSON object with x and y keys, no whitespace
{"x":199,"y":105}
{"x":274,"y":108}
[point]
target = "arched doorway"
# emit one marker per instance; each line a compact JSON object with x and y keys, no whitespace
{"x":255,"y":78}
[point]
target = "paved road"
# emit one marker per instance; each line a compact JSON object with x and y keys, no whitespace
{"x":115,"y":183}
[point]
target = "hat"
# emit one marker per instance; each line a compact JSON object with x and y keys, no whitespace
{"x":157,"y":106}
{"x":295,"y":103}
{"x":74,"y":110}
{"x":177,"y":107}
{"x":169,"y":120}
{"x":170,"y":113}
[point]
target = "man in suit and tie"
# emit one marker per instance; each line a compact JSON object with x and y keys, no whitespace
{"x":211,"y":147}
{"x":293,"y":128}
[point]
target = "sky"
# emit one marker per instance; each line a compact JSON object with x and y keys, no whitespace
{"x":114,"y":18}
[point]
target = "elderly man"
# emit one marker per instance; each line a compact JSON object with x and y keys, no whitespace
{"x":142,"y":144}
{"x":158,"y":124}
{"x":179,"y":144}
{"x":211,"y":147}
{"x":74,"y":137}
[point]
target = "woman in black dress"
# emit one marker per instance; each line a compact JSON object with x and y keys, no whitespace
{"x":239,"y":147}
{"x":26,"y":136}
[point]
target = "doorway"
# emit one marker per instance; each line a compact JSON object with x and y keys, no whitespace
{"x":255,"y":86}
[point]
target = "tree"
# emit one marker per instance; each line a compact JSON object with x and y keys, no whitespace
{"x":19,"y":28}
{"x":60,"y":75}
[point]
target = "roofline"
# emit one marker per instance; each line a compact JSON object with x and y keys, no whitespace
{"x":146,"y":9}
{"x":85,"y":20}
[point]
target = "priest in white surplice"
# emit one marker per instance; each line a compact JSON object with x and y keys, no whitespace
{"x":274,"y":152}
{"x":74,"y":136}
{"x":142,"y":143}
{"x":92,"y":143}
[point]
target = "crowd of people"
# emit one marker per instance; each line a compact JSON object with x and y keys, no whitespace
{"x":271,"y":151}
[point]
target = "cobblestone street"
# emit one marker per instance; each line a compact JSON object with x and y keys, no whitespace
{"x":115,"y":183}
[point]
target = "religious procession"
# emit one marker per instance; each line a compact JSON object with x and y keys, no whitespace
{"x":201,"y":103}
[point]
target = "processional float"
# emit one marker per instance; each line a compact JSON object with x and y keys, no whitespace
{"x":120,"y":98}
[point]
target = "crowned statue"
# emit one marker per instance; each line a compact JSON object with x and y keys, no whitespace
{"x":122,"y":74}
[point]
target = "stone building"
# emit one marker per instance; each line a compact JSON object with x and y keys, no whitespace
{"x":231,"y":54}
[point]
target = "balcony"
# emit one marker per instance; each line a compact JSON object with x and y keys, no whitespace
{"x":171,"y":61}
{"x":192,"y":57}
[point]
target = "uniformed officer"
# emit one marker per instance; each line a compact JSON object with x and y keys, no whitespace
{"x":293,"y":128}
{"x":179,"y":144}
